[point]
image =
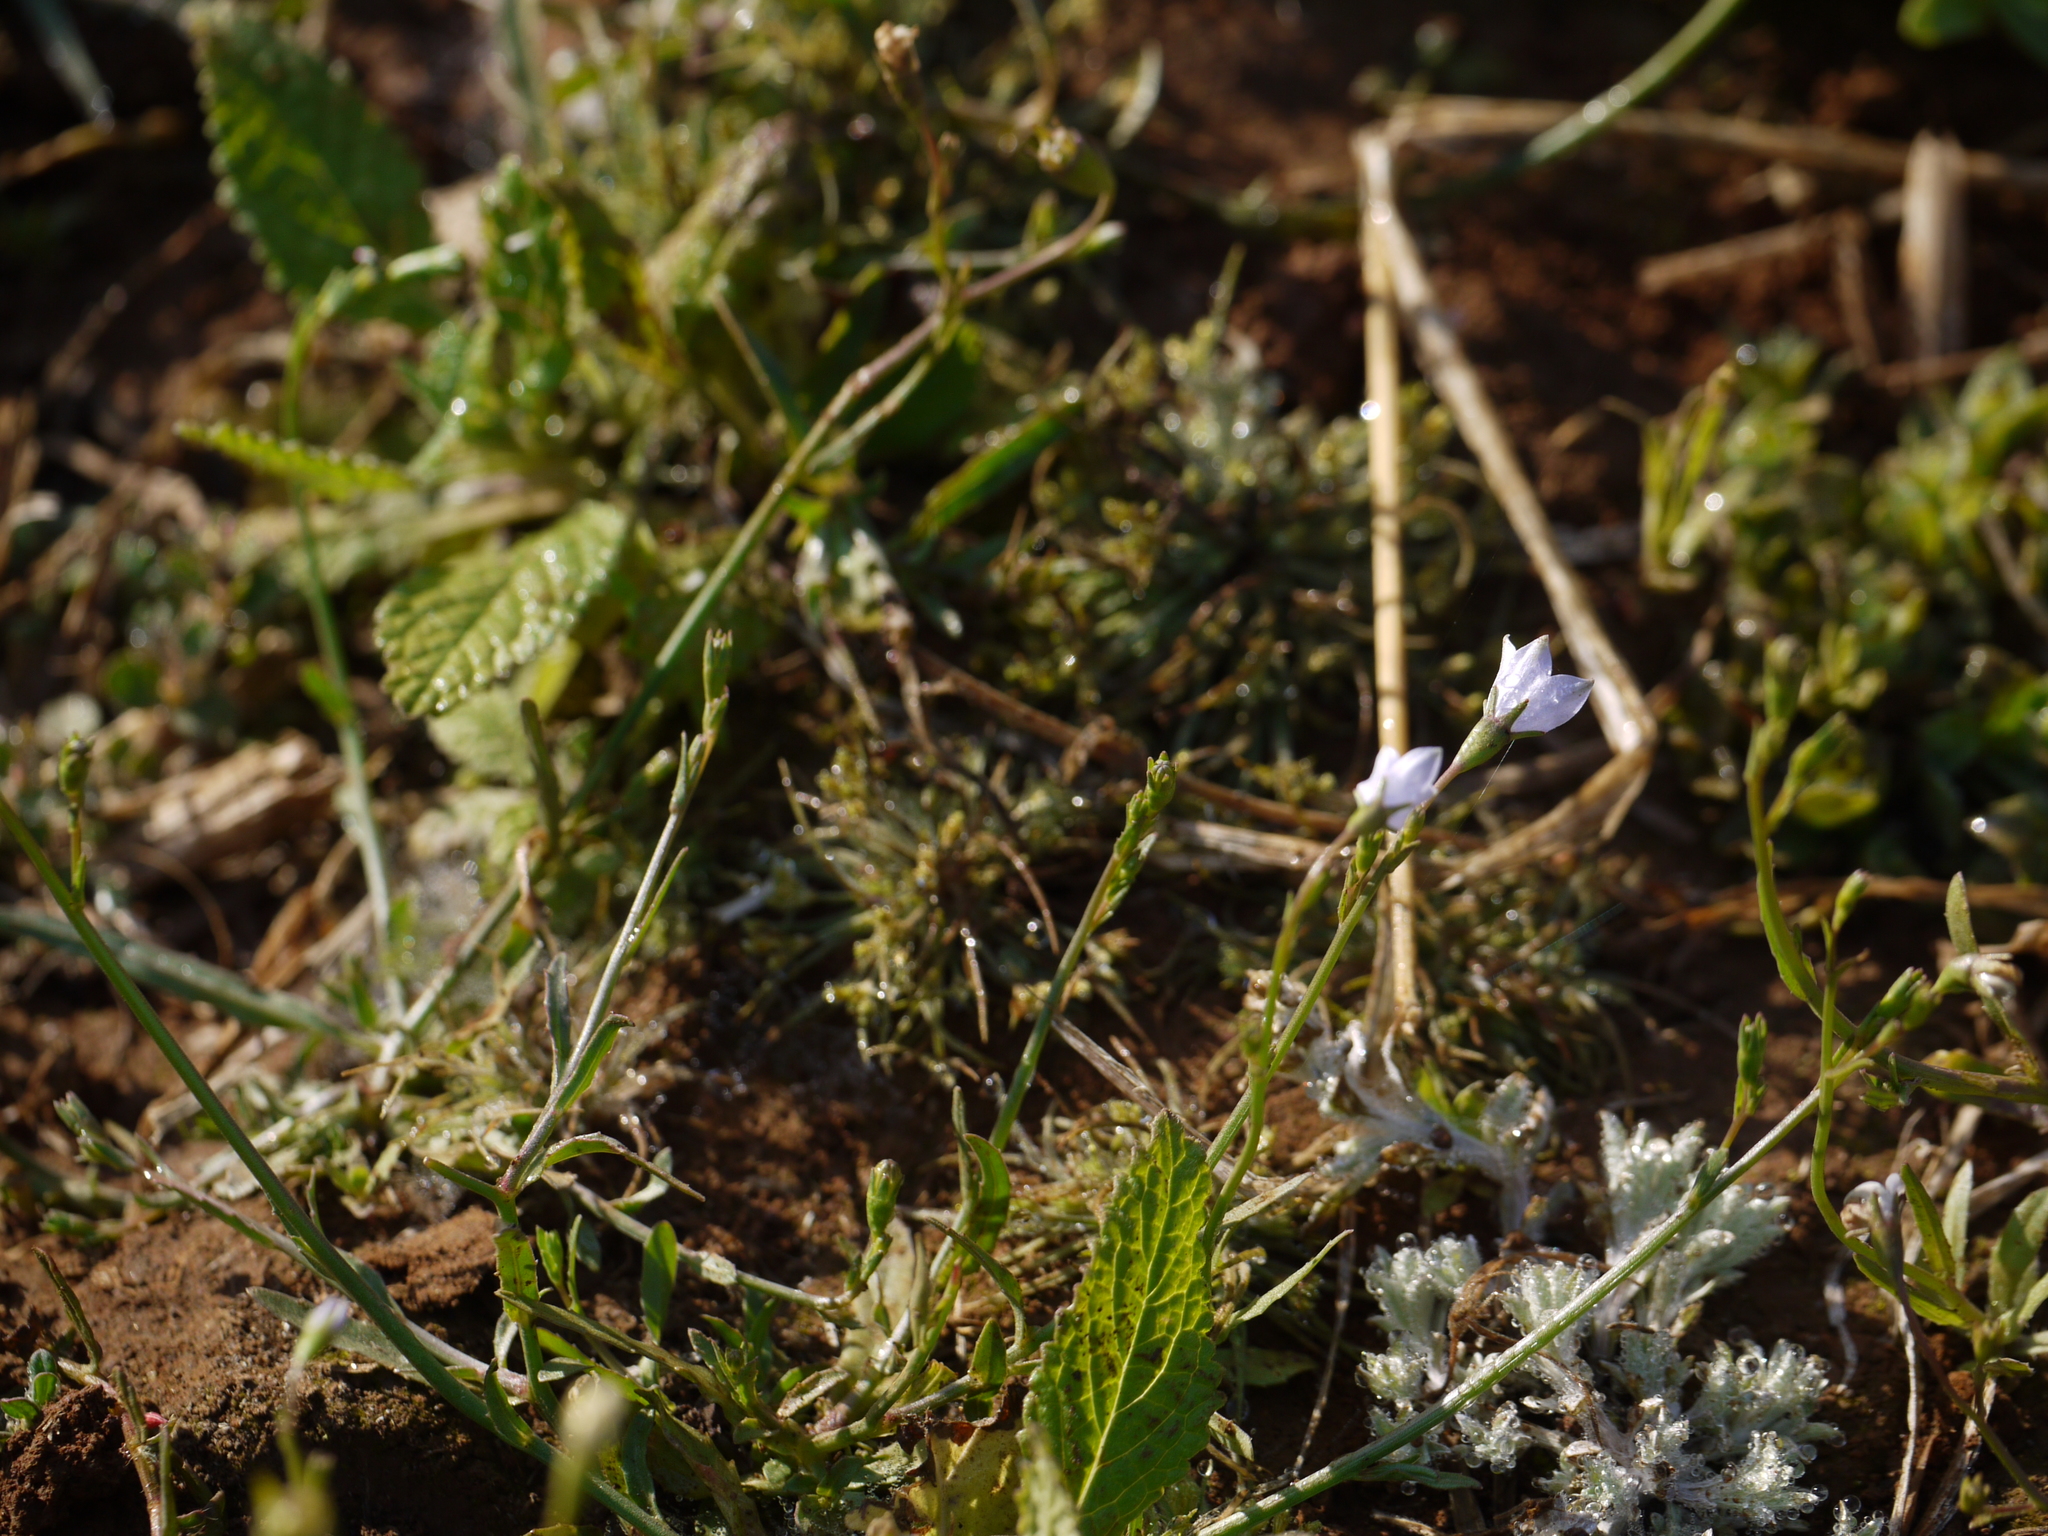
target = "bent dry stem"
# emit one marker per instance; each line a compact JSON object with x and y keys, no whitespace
{"x":315,"y":1249}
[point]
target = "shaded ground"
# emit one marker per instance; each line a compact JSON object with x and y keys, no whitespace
{"x":776,"y":1124}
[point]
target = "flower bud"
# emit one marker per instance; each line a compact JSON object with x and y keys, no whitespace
{"x":885,"y":1182}
{"x":1784,"y":669}
{"x":896,"y":50}
{"x":74,"y":763}
{"x":318,"y":1331}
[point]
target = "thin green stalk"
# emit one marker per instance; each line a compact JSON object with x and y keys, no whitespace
{"x":1272,"y":1053}
{"x":587,"y":1040}
{"x":1641,"y":83}
{"x":358,"y":808}
{"x":1383,"y":867}
{"x":338,"y":1268}
{"x":1041,"y":1028}
{"x":1250,"y":1516}
{"x":660,"y":681}
{"x":1132,"y":846}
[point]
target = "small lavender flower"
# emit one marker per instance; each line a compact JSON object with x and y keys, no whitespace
{"x":1525,"y":700}
{"x":1884,"y":1198}
{"x":318,"y":1331}
{"x":1401,"y":783}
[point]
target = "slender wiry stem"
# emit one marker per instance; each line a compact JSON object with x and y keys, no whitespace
{"x":1282,"y":1048}
{"x":1264,"y":1055}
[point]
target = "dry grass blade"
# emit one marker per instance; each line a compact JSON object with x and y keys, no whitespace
{"x":1934,"y":247}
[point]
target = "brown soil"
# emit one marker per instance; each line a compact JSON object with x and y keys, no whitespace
{"x":776,"y":1124}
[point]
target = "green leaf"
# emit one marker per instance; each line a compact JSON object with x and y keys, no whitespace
{"x":355,"y":1336}
{"x":987,"y":1179}
{"x":1955,"y":1210}
{"x":657,"y":1278}
{"x":310,"y":171}
{"x":1940,"y":1256}
{"x":1931,"y":23}
{"x":596,"y":1141}
{"x":1279,"y":1291}
{"x":320,"y":471}
{"x":2026,"y":22}
{"x":454,"y":628}
{"x":2014,"y":1261}
{"x":986,"y":473}
{"x":1129,"y":1378}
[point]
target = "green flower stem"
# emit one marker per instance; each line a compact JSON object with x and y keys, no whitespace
{"x":1253,"y":1514}
{"x":660,"y":867}
{"x":660,"y":682}
{"x":1041,"y":1028}
{"x":1132,"y":846}
{"x":1264,"y":1055}
{"x":1641,"y":83}
{"x":1383,"y":866}
{"x":320,"y":1254}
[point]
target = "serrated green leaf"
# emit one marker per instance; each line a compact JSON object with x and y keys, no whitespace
{"x":309,"y":169}
{"x":321,"y":471}
{"x":451,"y":629}
{"x":1130,"y":1378}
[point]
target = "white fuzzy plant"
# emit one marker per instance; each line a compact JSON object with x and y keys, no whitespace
{"x":1643,"y":1437}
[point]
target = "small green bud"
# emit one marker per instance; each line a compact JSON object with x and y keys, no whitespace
{"x":74,"y":765}
{"x":1849,"y":897}
{"x":1785,"y":663}
{"x":885,"y":1183}
{"x":1486,"y":738}
{"x":93,"y":1143}
{"x":1751,"y":1039}
{"x":717,"y":663}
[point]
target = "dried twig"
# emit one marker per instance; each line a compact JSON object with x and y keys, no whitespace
{"x":1440,"y":120}
{"x":1934,"y":247}
{"x":1625,"y":718}
{"x":1389,"y":630}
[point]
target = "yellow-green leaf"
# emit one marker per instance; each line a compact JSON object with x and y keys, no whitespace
{"x":452,"y":629}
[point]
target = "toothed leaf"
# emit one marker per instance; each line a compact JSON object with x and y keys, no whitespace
{"x":312,"y":174}
{"x":1130,"y":1378}
{"x":321,"y":471}
{"x":451,"y":629}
